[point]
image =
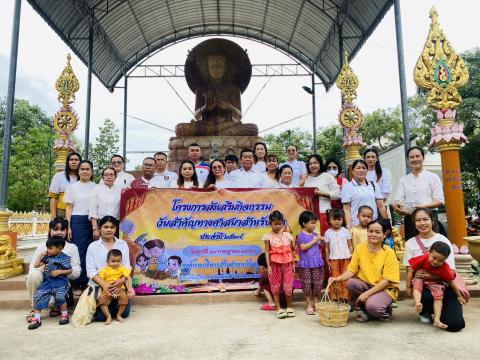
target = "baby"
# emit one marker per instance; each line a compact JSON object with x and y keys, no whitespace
{"x":434,"y":263}
{"x":117,"y":274}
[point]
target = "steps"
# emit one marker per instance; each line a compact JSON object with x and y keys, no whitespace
{"x":14,"y":296}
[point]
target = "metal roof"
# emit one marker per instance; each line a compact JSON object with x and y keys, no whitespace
{"x":127,"y":31}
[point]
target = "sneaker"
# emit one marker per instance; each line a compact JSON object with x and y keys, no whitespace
{"x":64,"y":320}
{"x":394,"y":305}
{"x":425,"y":319}
{"x":34,"y":324}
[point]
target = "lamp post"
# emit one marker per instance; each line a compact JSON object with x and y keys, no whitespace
{"x":311,"y":91}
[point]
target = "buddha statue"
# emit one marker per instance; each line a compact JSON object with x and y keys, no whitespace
{"x":217,"y":71}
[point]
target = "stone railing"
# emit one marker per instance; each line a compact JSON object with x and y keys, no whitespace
{"x":29,"y":223}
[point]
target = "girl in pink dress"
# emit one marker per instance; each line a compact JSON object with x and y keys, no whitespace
{"x":279,"y":251}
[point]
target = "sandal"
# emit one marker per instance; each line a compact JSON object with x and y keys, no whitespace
{"x":64,"y":320}
{"x":281,"y":314}
{"x":35,"y":324}
{"x":310,"y":312}
{"x":54,"y":313}
{"x":363,"y":317}
{"x":30,"y":316}
{"x":290,"y":312}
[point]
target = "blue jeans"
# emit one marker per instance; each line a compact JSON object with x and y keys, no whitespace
{"x":112,"y":308}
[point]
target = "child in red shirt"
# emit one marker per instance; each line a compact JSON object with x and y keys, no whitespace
{"x":434,"y":263}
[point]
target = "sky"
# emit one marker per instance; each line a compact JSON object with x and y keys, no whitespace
{"x":42,"y":56}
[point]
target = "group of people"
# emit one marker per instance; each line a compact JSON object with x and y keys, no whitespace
{"x":353,"y":219}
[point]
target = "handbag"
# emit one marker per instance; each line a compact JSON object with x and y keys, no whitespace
{"x":457,"y":279}
{"x":86,"y":307}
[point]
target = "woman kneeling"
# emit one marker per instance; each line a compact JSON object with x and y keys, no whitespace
{"x":373,"y":276}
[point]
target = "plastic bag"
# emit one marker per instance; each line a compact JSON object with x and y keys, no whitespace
{"x":85,"y":308}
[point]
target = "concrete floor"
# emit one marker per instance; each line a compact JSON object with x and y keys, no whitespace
{"x":238,"y":331}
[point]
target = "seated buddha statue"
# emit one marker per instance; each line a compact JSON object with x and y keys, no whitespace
{"x":217,"y":77}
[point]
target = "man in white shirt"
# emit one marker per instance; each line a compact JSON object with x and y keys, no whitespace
{"x":231,"y":164}
{"x":246,"y":177}
{"x":123,"y":179}
{"x":194,"y":154}
{"x":145,"y":181}
{"x":298,"y":167}
{"x":419,"y":189}
{"x":162,"y":177}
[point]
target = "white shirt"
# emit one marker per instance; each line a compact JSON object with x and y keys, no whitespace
{"x":59,"y":183}
{"x":69,"y":249}
{"x":123,"y":179}
{"x":420,"y":189}
{"x":223,"y":184}
{"x":97,"y":257}
{"x":260,"y":166}
{"x":105,"y":201}
{"x":186,"y":185}
{"x":164,"y":180}
{"x":338,"y":243}
{"x":79,"y":195}
{"x":357,"y":195}
{"x":268,"y":182}
{"x":285,"y":186}
{"x":385,"y":183}
{"x":325,"y":183}
{"x":242,"y":178}
{"x":298,"y":168}
{"x":202,"y":169}
{"x":413,"y":250}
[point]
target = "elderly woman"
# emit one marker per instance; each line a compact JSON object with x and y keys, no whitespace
{"x":419,"y":189}
{"x":97,"y":259}
{"x":373,"y":275}
{"x":360,"y":192}
{"x":105,"y":200}
{"x":452,"y":313}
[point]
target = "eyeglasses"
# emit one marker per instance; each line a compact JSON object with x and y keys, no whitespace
{"x":117,"y":162}
{"x":148,"y":165}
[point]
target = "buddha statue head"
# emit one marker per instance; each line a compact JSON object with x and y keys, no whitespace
{"x":216,"y":66}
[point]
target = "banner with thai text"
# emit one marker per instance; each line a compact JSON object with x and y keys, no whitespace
{"x":190,"y":241}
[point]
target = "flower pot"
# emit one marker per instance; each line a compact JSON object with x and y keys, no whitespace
{"x":473,"y":246}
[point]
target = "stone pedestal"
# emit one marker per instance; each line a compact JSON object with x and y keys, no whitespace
{"x":463,"y":267}
{"x":212,"y":147}
{"x":10,"y":265}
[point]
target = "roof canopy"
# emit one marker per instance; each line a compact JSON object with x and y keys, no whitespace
{"x":127,"y":31}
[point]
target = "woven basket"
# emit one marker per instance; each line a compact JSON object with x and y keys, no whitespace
{"x":331,"y":313}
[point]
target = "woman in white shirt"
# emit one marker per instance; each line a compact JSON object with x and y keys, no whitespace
{"x":271,"y":175}
{"x":216,"y":176}
{"x":260,"y":154}
{"x":77,"y":199}
{"x":285,"y":177}
{"x":326,"y":187}
{"x":59,"y":183}
{"x":105,"y":200}
{"x":97,"y":259}
{"x":360,"y":192}
{"x":452,"y":313}
{"x":187,"y":176}
{"x":381,"y":177}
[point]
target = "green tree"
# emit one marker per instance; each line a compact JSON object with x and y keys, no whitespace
{"x":106,"y":145}
{"x":382,"y":128}
{"x":277,"y":144}
{"x":329,"y":142}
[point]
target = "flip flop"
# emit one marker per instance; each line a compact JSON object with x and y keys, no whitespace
{"x":267,"y":307}
{"x":290,"y":312}
{"x":310,"y":312}
{"x":363,"y":317}
{"x":281,"y":314}
{"x":30,"y":316}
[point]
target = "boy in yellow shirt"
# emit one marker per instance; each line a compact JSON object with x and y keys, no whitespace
{"x":117,"y":274}
{"x":359,"y":232}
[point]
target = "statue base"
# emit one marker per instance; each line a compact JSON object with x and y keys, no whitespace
{"x":463,"y":267}
{"x":213,"y":147}
{"x":215,"y":127}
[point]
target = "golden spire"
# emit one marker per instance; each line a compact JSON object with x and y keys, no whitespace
{"x":347,"y":82}
{"x":439,"y":69}
{"x":67,"y":84}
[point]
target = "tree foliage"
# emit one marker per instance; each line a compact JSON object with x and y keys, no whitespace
{"x":277,"y":144}
{"x":106,"y":145}
{"x":329,"y":142}
{"x":29,"y":156}
{"x":382,"y":128}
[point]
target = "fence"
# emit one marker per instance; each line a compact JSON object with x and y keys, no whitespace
{"x":29,"y":224}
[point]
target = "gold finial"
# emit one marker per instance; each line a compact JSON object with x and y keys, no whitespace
{"x":347,"y":82}
{"x":439,"y":69}
{"x":67,"y":84}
